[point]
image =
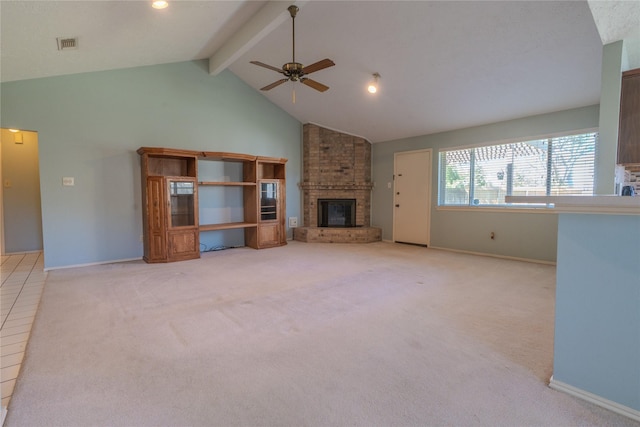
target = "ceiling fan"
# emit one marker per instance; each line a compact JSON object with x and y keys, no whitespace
{"x":295,"y":71}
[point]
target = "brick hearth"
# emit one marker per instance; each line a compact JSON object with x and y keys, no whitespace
{"x":335,"y":166}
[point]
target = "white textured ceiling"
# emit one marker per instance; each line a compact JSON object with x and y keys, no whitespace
{"x":111,"y":34}
{"x":619,"y":20}
{"x":444,"y":65}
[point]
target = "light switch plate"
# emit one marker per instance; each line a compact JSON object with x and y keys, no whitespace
{"x":68,"y":181}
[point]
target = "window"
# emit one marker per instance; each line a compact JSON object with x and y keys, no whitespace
{"x":556,"y":166}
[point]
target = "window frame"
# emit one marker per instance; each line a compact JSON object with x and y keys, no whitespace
{"x":506,"y":207}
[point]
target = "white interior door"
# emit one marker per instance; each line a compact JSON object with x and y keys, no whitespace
{"x":412,"y":197}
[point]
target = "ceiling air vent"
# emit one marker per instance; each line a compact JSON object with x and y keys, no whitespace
{"x":67,"y":43}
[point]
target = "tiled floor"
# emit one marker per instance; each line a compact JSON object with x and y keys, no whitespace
{"x":23,"y":280}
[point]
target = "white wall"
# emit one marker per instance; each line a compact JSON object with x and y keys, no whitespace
{"x":90,"y":126}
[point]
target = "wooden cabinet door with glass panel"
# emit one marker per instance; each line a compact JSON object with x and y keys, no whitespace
{"x":182,"y":235}
{"x":269,"y":219}
{"x":271,"y":202}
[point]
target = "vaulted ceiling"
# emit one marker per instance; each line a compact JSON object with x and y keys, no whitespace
{"x":443,"y":65}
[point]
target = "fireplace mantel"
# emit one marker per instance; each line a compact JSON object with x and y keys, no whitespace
{"x":336,"y":186}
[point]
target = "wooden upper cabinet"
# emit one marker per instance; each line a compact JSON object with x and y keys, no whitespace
{"x":271,"y":168}
{"x":629,"y":131}
{"x":168,"y":162}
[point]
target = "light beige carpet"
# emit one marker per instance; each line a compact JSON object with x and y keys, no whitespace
{"x":377,"y":334}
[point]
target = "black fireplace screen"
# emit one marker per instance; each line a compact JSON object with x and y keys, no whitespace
{"x":336,"y":212}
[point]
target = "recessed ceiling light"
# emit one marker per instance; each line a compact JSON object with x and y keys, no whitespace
{"x":159,"y":4}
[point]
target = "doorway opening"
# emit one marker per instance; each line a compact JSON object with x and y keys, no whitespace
{"x":20,"y":203}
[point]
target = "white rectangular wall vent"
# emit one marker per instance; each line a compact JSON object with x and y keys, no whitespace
{"x":67,"y":43}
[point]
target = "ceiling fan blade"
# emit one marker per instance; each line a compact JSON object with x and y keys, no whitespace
{"x":314,"y":84}
{"x":262,"y":64}
{"x":274,"y":84}
{"x":320,"y":65}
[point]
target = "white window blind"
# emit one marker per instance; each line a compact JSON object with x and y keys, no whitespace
{"x":572,"y":165}
{"x":561,"y":165}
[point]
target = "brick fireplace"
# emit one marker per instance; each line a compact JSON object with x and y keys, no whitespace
{"x":336,"y":168}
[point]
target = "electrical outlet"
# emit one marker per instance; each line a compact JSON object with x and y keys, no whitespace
{"x":68,"y":181}
{"x":293,"y":222}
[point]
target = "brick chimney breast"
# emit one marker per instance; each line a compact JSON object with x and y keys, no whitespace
{"x":336,"y":166}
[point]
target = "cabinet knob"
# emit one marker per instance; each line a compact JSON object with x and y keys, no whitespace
{"x":397,"y":206}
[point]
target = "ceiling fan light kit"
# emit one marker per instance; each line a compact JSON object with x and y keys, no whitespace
{"x":295,"y":71}
{"x":373,"y":85}
{"x":159,"y":4}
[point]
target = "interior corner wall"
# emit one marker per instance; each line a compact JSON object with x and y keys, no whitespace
{"x":612,"y":60}
{"x":518,"y":234}
{"x":90,"y":126}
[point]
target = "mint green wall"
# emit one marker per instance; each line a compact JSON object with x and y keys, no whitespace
{"x":89,"y":126}
{"x":597,"y":325}
{"x":521,"y":235}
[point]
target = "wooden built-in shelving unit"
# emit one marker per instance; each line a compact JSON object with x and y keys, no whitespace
{"x":170,"y":190}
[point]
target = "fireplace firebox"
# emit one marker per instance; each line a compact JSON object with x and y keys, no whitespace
{"x":336,"y":212}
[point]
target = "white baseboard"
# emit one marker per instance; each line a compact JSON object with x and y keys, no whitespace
{"x":513,"y":258}
{"x":3,"y":415}
{"x":595,"y":399}
{"x":92,"y":263}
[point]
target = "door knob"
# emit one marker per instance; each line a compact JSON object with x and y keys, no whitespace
{"x":397,"y":206}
